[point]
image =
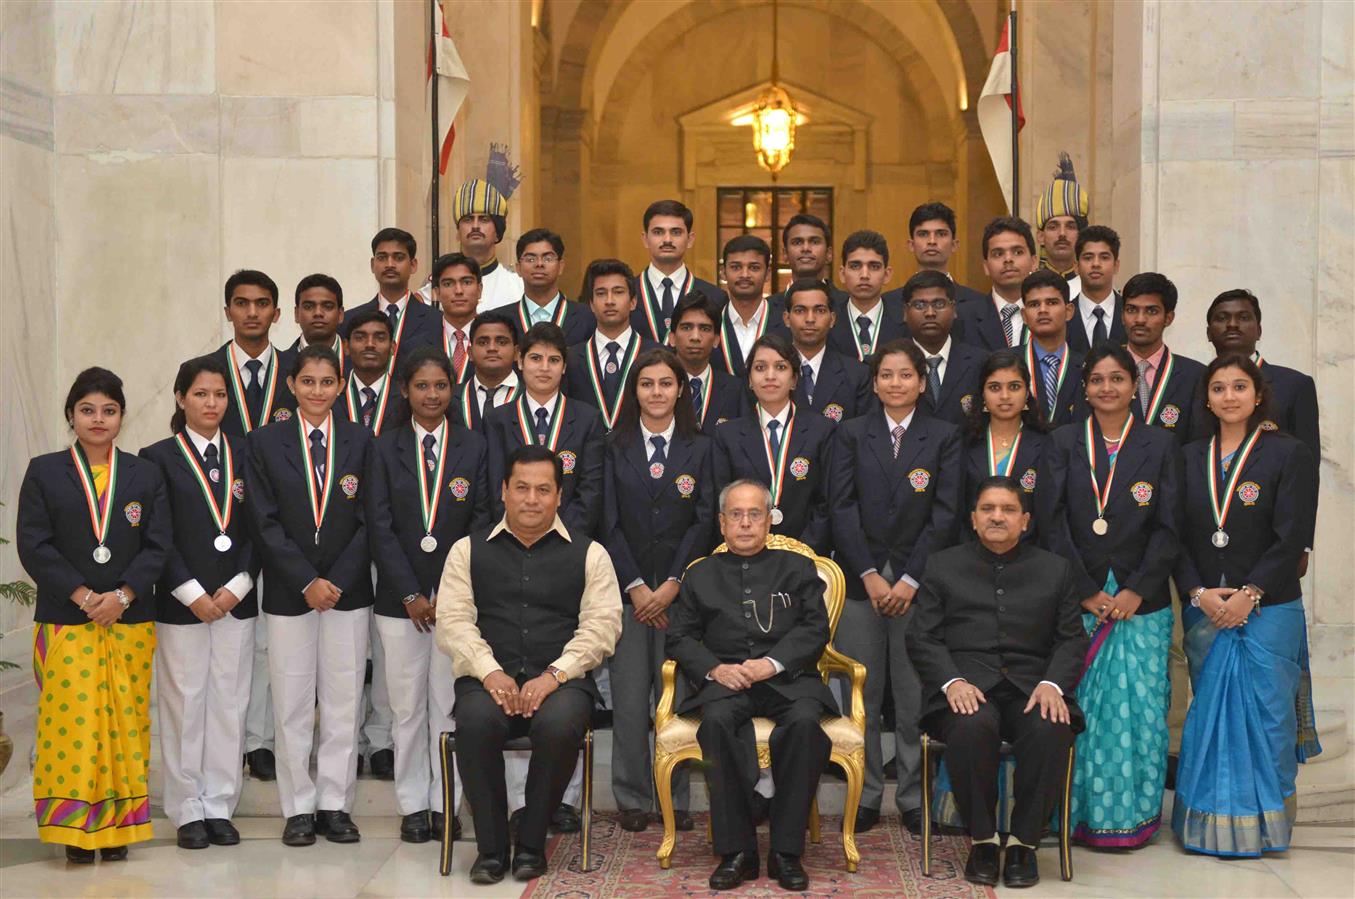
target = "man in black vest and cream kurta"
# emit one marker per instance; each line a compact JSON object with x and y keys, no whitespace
{"x":526,"y":611}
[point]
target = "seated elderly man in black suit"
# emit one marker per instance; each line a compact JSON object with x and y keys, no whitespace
{"x":748,"y":628}
{"x":998,"y":644}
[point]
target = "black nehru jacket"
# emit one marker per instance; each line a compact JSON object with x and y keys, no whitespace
{"x":725,"y":602}
{"x":1269,"y":521}
{"x":56,"y":540}
{"x":283,"y":521}
{"x":395,"y":516}
{"x":1144,"y":512}
{"x":527,"y":602}
{"x":988,"y":618}
{"x":192,"y":556}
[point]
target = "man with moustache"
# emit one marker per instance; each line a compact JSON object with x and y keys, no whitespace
{"x":481,"y":215}
{"x":745,"y":264}
{"x":998,"y":644}
{"x":1060,"y":213}
{"x":1168,"y":387}
{"x":456,"y":287}
{"x":952,"y":367}
{"x":807,"y":244}
{"x":717,"y":396}
{"x":667,"y":237}
{"x":394,"y":262}
{"x":1008,"y":256}
{"x":1100,"y":310}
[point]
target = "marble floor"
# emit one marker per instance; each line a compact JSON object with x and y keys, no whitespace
{"x":1321,"y":865}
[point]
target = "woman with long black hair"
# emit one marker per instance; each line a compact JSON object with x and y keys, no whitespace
{"x":1006,"y":432}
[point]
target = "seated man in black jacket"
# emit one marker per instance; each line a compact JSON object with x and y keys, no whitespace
{"x":748,"y":628}
{"x":998,"y":644}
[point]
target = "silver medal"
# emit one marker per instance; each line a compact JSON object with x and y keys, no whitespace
{"x":222,"y":543}
{"x":428,"y":543}
{"x":1220,"y":538}
{"x":102,"y":554}
{"x":1100,"y":527}
{"x":777,"y":517}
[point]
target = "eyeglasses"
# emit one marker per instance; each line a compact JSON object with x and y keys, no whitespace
{"x":923,"y":305}
{"x":752,"y":516}
{"x":533,"y":259}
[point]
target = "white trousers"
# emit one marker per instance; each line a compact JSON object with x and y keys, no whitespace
{"x":420,"y":681}
{"x":259,"y":716}
{"x":318,"y":656}
{"x":203,"y":673}
{"x":376,"y":707}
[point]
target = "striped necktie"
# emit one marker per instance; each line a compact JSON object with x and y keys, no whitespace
{"x":1051,"y":382}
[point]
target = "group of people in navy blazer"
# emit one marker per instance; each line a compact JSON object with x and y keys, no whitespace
{"x":360,"y":454}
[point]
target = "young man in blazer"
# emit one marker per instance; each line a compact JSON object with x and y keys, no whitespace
{"x":318,"y":311}
{"x":258,"y":385}
{"x":1100,"y":309}
{"x":493,"y":381}
{"x":394,"y":261}
{"x":717,"y":396}
{"x":1055,"y":367}
{"x":807,"y":247}
{"x":456,"y":288}
{"x":952,"y":366}
{"x":831,"y":384}
{"x":541,"y":262}
{"x":866,"y":319}
{"x":667,"y":237}
{"x":1168,"y":387}
{"x":1008,"y":256}
{"x":933,"y":241}
{"x":596,"y":367}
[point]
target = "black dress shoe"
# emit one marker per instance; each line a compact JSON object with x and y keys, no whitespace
{"x":761,"y":807}
{"x":221,"y":832}
{"x":565,"y":819}
{"x":336,"y":827}
{"x":528,"y":864}
{"x":193,"y":835}
{"x":634,"y":820}
{"x":438,"y":822}
{"x":77,"y":856}
{"x":489,"y":869}
{"x":982,"y":865}
{"x":383,"y":764}
{"x":262,"y":765}
{"x":866,"y":818}
{"x":788,"y":871}
{"x":683,"y":821}
{"x":733,"y":870}
{"x":912,"y":821}
{"x":514,"y":820}
{"x":300,"y":831}
{"x":113,"y":854}
{"x":414,"y":828}
{"x":1019,"y":869}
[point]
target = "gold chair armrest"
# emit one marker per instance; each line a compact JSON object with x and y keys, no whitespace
{"x":663,"y":712}
{"x":832,"y":662}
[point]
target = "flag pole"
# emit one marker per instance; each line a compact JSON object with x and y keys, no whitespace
{"x":437,"y":149}
{"x":1015,"y":112}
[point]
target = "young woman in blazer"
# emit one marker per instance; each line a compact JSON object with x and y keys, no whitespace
{"x":895,"y":487}
{"x":658,"y":516}
{"x":779,"y":446}
{"x":306,"y":479}
{"x":1006,"y":432}
{"x":428,"y":488}
{"x":93,"y":532}
{"x":205,"y":609}
{"x":1110,"y":502}
{"x":1248,"y":517}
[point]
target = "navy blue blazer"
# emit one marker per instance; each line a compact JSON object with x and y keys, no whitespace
{"x":1181,"y":400}
{"x":741,"y":452}
{"x":191,"y":555}
{"x":287,"y":357}
{"x":395,"y":518}
{"x":573,"y":317}
{"x":842,"y":336}
{"x":1269,"y":521}
{"x":729,"y":399}
{"x":727,"y":356}
{"x":1025,"y":470}
{"x":1081,"y":339}
{"x":283,"y":521}
{"x":1072,"y":400}
{"x":1144,"y":513}
{"x":842,"y":391}
{"x":655,"y":527}
{"x":422,"y":325}
{"x":282,"y":408}
{"x":580,"y":449}
{"x":960,"y":387}
{"x":641,"y":317}
{"x":349,"y":404}
{"x":978,"y":324}
{"x":577,"y":384}
{"x":56,"y":541}
{"x":465,"y":408}
{"x":893,"y":511}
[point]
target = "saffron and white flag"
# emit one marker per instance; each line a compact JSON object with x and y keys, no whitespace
{"x":995,"y":112}
{"x":453,"y":84}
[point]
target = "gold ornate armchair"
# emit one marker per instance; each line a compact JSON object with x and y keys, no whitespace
{"x":675,"y":736}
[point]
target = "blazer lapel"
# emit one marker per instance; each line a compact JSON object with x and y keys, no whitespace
{"x":830,"y":376}
{"x":914,"y":441}
{"x":291,"y":450}
{"x":678,"y":453}
{"x":880,"y":443}
{"x":637,"y":455}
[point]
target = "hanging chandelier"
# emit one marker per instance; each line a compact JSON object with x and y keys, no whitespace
{"x":774,"y":117}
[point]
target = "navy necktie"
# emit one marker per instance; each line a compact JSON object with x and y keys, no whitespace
{"x":658,"y":455}
{"x":368,"y":407}
{"x":667,"y":298}
{"x":542,"y":425}
{"x":393,"y":316}
{"x":318,"y":456}
{"x":611,"y":373}
{"x":933,"y":379}
{"x":863,"y":331}
{"x":430,"y":459}
{"x":774,"y":437}
{"x":807,"y":379}
{"x":254,"y":389}
{"x":487,"y":404}
{"x":1099,"y":329}
{"x":696,"y":396}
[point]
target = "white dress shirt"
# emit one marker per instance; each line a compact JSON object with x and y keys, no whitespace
{"x":241,"y":357}
{"x":656,"y":281}
{"x":874,"y":314}
{"x":746,"y":331}
{"x":1086,"y":310}
{"x":601,"y":340}
{"x":944,"y":353}
{"x":501,"y":395}
{"x":190,"y":590}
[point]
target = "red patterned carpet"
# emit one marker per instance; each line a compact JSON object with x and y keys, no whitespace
{"x":625,"y":866}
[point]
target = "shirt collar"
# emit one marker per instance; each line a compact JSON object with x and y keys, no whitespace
{"x":200,"y":443}
{"x":666,"y":434}
{"x":557,"y":527}
{"x":549,"y":308}
{"x":704,"y":377}
{"x":814,"y":363}
{"x":1154,"y":361}
{"x":999,"y":302}
{"x":420,"y":433}
{"x":944,"y":352}
{"x":656,"y":280}
{"x":533,"y":405}
{"x":302,"y":343}
{"x":241,"y":357}
{"x":763,"y":417}
{"x":511,"y":381}
{"x":378,"y":385}
{"x":402,"y":304}
{"x":601,"y":340}
{"x":753,"y":321}
{"x":323,"y":426}
{"x":873,"y":313}
{"x":1041,"y":352}
{"x":449,"y":331}
{"x":891,"y":424}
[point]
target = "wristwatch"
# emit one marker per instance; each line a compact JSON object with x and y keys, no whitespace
{"x":122,"y":598}
{"x":1195,"y":596}
{"x":410,"y":598}
{"x":560,"y":676}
